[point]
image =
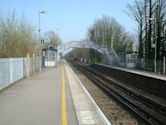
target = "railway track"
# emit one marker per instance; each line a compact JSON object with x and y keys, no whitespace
{"x":151,"y":112}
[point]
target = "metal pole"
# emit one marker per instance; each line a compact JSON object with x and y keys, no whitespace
{"x":164,"y":65}
{"x":40,"y":12}
{"x":155,"y":47}
{"x":155,"y":57}
{"x":155,"y":54}
{"x":39,"y":29}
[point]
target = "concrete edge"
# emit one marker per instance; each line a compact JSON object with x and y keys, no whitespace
{"x":104,"y":118}
{"x":71,"y":92}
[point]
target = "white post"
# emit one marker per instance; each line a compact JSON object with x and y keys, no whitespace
{"x":28,"y":65}
{"x":56,"y":53}
{"x":164,"y":61}
{"x":34,"y":67}
{"x":11,"y":62}
{"x":40,"y":63}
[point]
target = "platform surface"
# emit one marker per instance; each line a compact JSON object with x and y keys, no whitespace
{"x":52,"y":97}
{"x":139,"y":72}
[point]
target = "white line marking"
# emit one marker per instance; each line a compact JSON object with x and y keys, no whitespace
{"x":86,"y":117}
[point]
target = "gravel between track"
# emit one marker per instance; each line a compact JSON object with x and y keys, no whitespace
{"x":116,"y":113}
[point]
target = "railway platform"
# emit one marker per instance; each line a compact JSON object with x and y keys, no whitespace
{"x":139,"y":72}
{"x":55,"y":96}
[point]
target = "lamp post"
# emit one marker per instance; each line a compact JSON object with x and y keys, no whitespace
{"x":154,"y":43}
{"x":40,"y":12}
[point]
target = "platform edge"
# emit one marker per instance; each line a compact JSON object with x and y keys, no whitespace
{"x":94,"y":103}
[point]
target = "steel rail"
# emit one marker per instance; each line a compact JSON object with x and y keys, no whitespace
{"x":143,"y":108}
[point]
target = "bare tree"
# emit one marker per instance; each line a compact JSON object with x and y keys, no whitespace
{"x":136,"y":12}
{"x":107,"y":31}
{"x":53,"y":38}
{"x":160,"y":14}
{"x":150,"y":16}
{"x":17,"y":36}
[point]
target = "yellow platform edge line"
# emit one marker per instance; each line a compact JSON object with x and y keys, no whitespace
{"x":64,"y":111}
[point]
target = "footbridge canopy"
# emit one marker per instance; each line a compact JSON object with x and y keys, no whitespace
{"x":81,"y":44}
{"x":109,"y":54}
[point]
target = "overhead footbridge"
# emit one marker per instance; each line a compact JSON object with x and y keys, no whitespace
{"x":109,"y":54}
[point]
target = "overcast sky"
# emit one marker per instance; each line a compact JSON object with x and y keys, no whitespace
{"x":71,"y":18}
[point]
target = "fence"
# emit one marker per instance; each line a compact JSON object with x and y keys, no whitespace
{"x":14,"y":69}
{"x":145,"y":65}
